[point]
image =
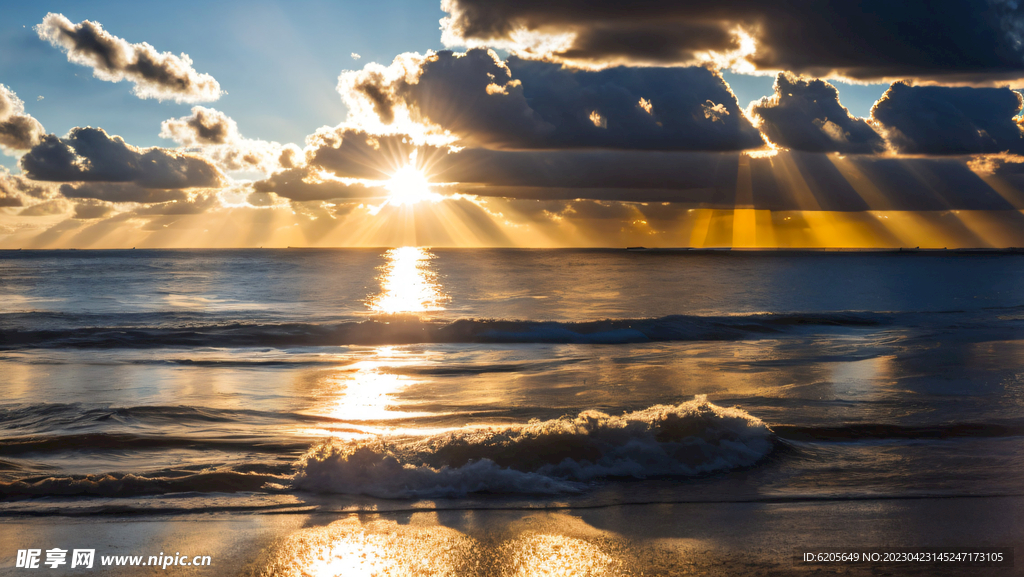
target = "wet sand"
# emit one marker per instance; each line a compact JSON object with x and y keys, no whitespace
{"x":737,"y":539}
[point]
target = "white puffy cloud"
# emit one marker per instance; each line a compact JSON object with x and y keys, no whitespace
{"x":18,"y":131}
{"x":159,"y":75}
{"x":215,"y":135}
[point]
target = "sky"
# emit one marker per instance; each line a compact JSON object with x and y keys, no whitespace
{"x":499,"y":123}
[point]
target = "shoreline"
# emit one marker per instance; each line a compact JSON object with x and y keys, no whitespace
{"x":737,"y":539}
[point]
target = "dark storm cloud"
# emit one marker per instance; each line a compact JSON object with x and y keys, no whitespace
{"x":789,"y":181}
{"x":589,"y":169}
{"x":888,"y":183}
{"x":958,"y":40}
{"x":90,"y":155}
{"x":946,"y":120}
{"x":655,"y":42}
{"x":1003,"y":165}
{"x":805,"y":114}
{"x":159,"y":75}
{"x":18,"y":131}
{"x":532,"y":104}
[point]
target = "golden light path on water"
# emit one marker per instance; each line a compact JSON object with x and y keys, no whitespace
{"x":408,"y":284}
{"x":363,"y":395}
{"x":365,"y":390}
{"x":543,"y":544}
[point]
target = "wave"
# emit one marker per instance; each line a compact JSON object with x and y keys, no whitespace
{"x":410,"y":330}
{"x":136,"y":485}
{"x":542,"y":457}
{"x":134,"y":442}
{"x":47,"y":419}
{"x":876,"y":431}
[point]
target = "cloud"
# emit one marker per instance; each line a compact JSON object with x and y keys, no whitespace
{"x":159,"y":75}
{"x":530,"y":104}
{"x":961,"y":41}
{"x":90,"y":155}
{"x":196,"y":204}
{"x":579,"y":169}
{"x":121,"y":192}
{"x":16,"y":190}
{"x":790,"y":180}
{"x":302,"y":185}
{"x":18,"y":131}
{"x":215,"y":135}
{"x":805,"y":114}
{"x":203,"y":126}
{"x":50,"y":207}
{"x":17,"y":184}
{"x":91,"y":210}
{"x":354,"y":153}
{"x":9,"y":195}
{"x":950,"y":120}
{"x":290,"y":156}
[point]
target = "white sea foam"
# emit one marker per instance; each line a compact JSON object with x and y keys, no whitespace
{"x":542,"y":457}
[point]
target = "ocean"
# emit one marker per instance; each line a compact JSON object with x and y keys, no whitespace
{"x":413,"y":379}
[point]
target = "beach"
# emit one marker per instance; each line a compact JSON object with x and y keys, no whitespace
{"x":658,"y":539}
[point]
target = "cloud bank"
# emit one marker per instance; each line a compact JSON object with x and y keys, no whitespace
{"x":529,"y":104}
{"x":216,"y":136}
{"x":91,"y":155}
{"x":951,"y":120}
{"x":956,"y":41}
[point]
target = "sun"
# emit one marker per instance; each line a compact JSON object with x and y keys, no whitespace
{"x":409,"y":186}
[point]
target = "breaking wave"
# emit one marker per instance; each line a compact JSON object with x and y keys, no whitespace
{"x":137,"y":485}
{"x":542,"y":457}
{"x":118,"y":332}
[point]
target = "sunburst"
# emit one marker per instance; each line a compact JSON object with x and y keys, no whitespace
{"x":409,"y":186}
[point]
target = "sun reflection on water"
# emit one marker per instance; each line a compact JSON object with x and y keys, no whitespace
{"x":422,"y":544}
{"x":408,"y":284}
{"x":367,"y":391}
{"x":353,"y":548}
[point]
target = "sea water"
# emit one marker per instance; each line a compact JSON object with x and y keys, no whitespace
{"x":419,"y":379}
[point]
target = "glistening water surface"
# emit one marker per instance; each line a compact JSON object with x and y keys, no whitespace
{"x":176,"y":381}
